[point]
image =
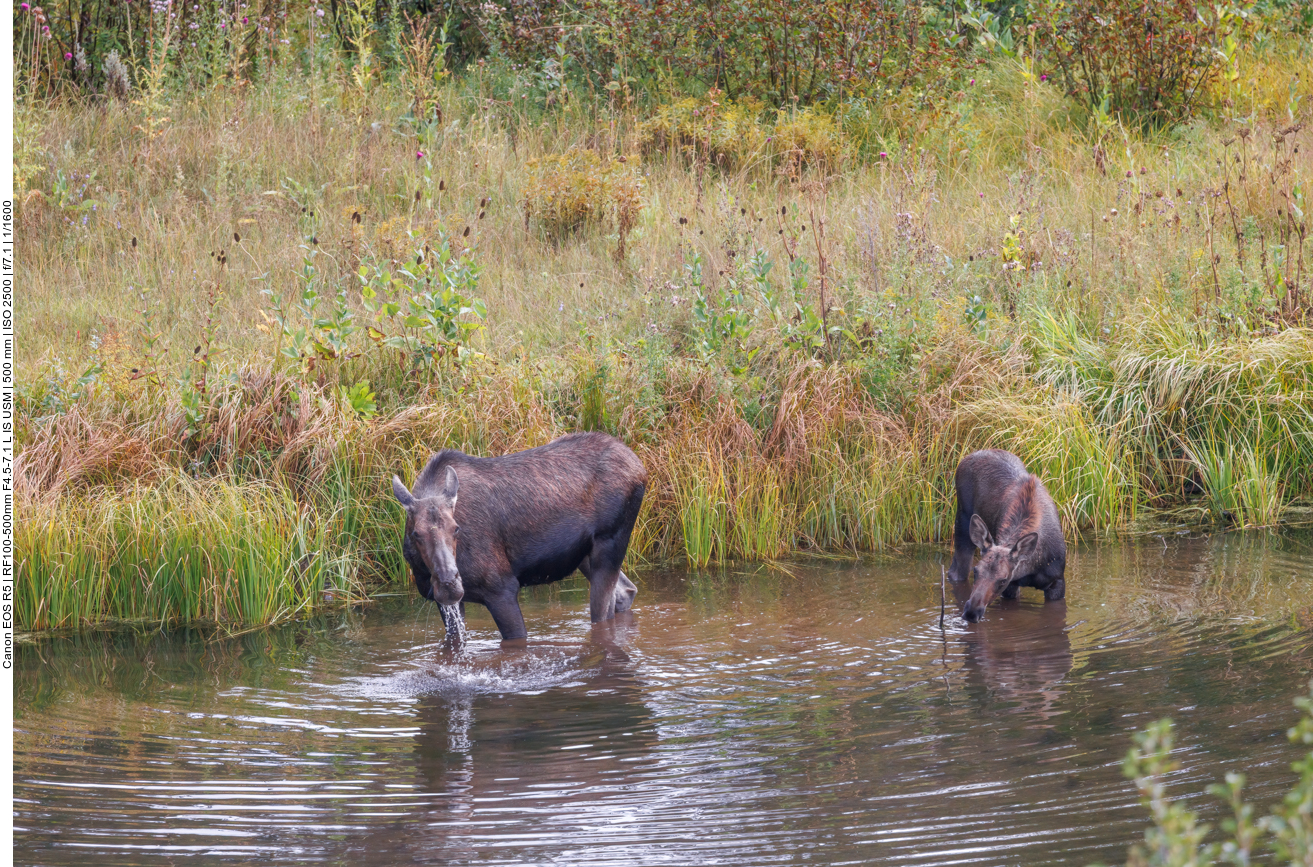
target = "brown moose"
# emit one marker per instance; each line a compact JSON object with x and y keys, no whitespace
{"x":479,"y":529}
{"x":1005,"y":512}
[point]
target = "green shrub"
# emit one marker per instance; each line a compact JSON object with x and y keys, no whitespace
{"x":1150,"y":60}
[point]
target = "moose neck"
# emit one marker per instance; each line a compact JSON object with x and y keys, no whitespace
{"x":1021,"y":514}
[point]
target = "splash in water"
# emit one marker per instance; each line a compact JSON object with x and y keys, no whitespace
{"x":455,"y":623}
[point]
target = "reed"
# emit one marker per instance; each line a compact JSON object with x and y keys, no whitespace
{"x":181,"y":552}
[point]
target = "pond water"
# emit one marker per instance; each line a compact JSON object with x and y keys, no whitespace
{"x":814,"y":713}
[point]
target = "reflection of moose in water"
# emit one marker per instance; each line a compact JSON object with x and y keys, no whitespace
{"x":479,"y":529}
{"x":1008,"y":514}
{"x":1020,"y":657}
{"x":570,"y":736}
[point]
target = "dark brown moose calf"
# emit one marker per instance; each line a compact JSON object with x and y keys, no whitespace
{"x":1005,"y":512}
{"x":479,"y":529}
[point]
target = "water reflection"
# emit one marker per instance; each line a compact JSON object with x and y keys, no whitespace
{"x":1019,"y":656}
{"x":745,"y":718}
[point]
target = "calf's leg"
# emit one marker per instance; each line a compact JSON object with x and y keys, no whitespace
{"x":964,"y":550}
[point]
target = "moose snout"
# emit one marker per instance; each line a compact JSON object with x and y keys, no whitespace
{"x":973,"y":613}
{"x":447,"y":592}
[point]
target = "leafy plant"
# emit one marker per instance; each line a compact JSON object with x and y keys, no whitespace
{"x":1177,"y":837}
{"x":359,"y":399}
{"x":425,"y":308}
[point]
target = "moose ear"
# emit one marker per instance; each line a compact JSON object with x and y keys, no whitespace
{"x":399,"y":491}
{"x":980,"y":536}
{"x":450,"y":485}
{"x":1025,"y":546}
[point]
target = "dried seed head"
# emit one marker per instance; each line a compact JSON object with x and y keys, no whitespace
{"x":442,"y":186}
{"x":237,"y":239}
{"x":134,"y":242}
{"x":417,"y":196}
{"x":466,"y":233}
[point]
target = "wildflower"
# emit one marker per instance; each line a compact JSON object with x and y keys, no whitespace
{"x":319,"y":13}
{"x":972,"y":81}
{"x":68,"y":55}
{"x":244,"y":19}
{"x":419,"y":155}
{"x":1044,"y":77}
{"x":24,"y":7}
{"x":884,"y":155}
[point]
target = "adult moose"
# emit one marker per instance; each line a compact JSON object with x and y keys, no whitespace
{"x":479,"y":529}
{"x":1005,"y":512}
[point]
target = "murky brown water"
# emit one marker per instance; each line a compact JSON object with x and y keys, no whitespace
{"x":742,"y":718}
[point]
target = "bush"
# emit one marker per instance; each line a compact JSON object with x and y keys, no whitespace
{"x":719,"y":131}
{"x":571,"y":190}
{"x":1150,"y":60}
{"x":780,"y":51}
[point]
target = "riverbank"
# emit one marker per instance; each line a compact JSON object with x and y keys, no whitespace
{"x":240,"y":319}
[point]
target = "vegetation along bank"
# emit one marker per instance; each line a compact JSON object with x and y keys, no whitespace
{"x":270,"y":256}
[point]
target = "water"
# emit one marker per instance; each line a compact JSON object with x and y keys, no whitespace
{"x":747,"y":717}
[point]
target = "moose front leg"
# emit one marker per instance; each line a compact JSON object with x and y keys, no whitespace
{"x":505,"y":611}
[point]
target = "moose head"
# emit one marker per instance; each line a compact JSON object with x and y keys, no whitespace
{"x":432,"y":532}
{"x":998,"y":563}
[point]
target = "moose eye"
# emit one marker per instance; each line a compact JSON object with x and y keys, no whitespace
{"x":456,"y":531}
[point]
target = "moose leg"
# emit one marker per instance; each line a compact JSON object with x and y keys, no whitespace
{"x":1012,"y":591}
{"x":505,"y":611}
{"x":605,"y":589}
{"x":964,"y":550}
{"x":1055,"y":591}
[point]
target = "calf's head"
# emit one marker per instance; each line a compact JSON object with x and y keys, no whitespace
{"x":431,"y":528}
{"x":997,"y":565}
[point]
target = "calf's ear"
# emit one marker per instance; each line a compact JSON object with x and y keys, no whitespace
{"x":450,"y":485}
{"x":980,"y":536}
{"x":399,"y":491}
{"x":1025,"y":546}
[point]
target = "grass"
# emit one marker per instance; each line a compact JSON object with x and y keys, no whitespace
{"x":800,"y":341}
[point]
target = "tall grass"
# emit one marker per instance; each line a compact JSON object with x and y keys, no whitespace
{"x":181,"y":552}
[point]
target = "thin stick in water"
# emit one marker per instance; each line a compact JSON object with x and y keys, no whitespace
{"x":943,"y":598}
